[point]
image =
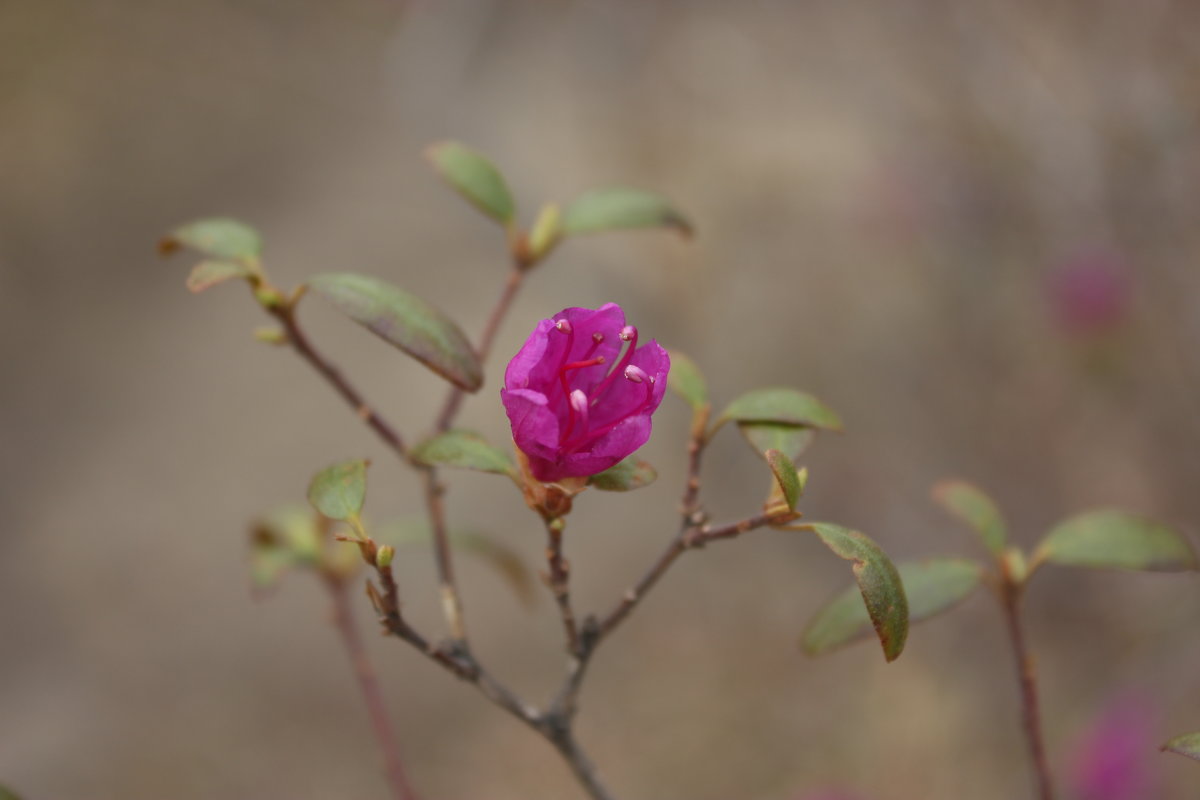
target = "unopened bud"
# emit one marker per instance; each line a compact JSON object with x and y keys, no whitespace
{"x":270,"y":335}
{"x":1016,"y":569}
{"x":268,"y":297}
{"x":545,"y":232}
{"x":384,"y":556}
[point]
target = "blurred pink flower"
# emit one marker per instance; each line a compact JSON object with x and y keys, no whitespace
{"x":1112,"y":759}
{"x":1090,"y":292}
{"x":573,"y":411}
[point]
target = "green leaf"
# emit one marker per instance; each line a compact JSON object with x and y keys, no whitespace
{"x":780,"y":405}
{"x":791,"y":440}
{"x":878,"y":581}
{"x":498,"y":555}
{"x":406,"y":321}
{"x":268,"y":564}
{"x":475,"y":178}
{"x":463,"y":449}
{"x":970,"y":504}
{"x":207,"y":274}
{"x":621,"y":208}
{"x":931,"y":587}
{"x":1186,"y":745}
{"x":686,"y":380}
{"x":1115,"y":539}
{"x":339,"y":491}
{"x":630,"y":474}
{"x":217,"y":237}
{"x":284,"y":538}
{"x":786,"y":476}
{"x":8,"y":794}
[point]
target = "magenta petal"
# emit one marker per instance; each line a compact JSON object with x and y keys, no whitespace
{"x":610,"y":449}
{"x":623,"y":397}
{"x":535,"y":429}
{"x":517,"y":374}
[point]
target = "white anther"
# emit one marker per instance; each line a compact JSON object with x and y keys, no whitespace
{"x":636,"y":374}
{"x":563,"y":326}
{"x":597,"y":337}
{"x":627,"y":333}
{"x":579,"y":401}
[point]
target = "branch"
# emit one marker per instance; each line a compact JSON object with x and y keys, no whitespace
{"x":1010,"y":600}
{"x":558,"y":579}
{"x":451,"y":600}
{"x":368,"y":684}
{"x":692,"y":520}
{"x":693,"y":533}
{"x":486,"y":339}
{"x":448,"y":587}
{"x":456,"y":660}
{"x":690,"y":537}
{"x":299,"y":341}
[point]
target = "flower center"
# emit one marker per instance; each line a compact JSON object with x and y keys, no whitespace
{"x":576,"y":433}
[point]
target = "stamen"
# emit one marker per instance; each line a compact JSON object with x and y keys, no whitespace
{"x":633,"y":374}
{"x":597,"y":337}
{"x":628,"y":334}
{"x":591,"y":362}
{"x":564,"y":326}
{"x":577,"y":412}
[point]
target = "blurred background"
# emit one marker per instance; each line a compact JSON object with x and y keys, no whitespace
{"x":969,"y":228}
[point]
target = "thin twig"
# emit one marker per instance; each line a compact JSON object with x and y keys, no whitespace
{"x":693,"y":533}
{"x":433,"y":489}
{"x":692,"y":520}
{"x":1010,"y":600}
{"x":443,"y":557}
{"x":368,"y":684}
{"x":457,"y":661}
{"x":580,"y":764}
{"x":559,"y":580}
{"x":300,"y":343}
{"x":689,"y":537}
{"x":454,"y":399}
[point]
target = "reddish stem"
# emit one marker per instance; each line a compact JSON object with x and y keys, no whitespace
{"x":368,"y":684}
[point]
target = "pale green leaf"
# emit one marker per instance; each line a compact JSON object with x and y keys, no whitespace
{"x":930,"y":587}
{"x":1186,"y":745}
{"x":792,"y":440}
{"x":405,"y":321}
{"x":475,"y":178}
{"x":463,"y":449}
{"x":207,"y":274}
{"x":1115,"y":539}
{"x":970,"y":504}
{"x":217,"y":237}
{"x":338,"y":491}
{"x":686,"y":380}
{"x":786,"y":476}
{"x":878,"y":581}
{"x":780,"y":405}
{"x":629,"y":474}
{"x":622,"y":208}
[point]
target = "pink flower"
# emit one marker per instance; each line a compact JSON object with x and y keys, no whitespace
{"x":1090,"y":293}
{"x":1112,"y":761}
{"x":575,"y":407}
